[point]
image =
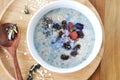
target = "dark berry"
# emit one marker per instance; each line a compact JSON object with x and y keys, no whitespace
{"x":64,"y":22}
{"x":77,"y":47}
{"x":67,"y":45}
{"x":56,"y":26}
{"x":79,"y":26}
{"x":64,"y":26}
{"x":74,"y":53}
{"x":60,"y":34}
{"x":80,"y":34}
{"x":64,"y":57}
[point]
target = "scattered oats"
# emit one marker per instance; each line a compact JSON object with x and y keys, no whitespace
{"x":21,"y":17}
{"x":31,"y":15}
{"x":25,"y":53}
{"x":5,"y":51}
{"x":7,"y":56}
{"x":49,"y":74}
{"x":32,"y":8}
{"x":45,"y":71}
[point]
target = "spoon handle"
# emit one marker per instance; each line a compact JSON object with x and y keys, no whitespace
{"x":18,"y":74}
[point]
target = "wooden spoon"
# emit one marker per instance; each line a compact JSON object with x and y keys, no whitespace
{"x":11,"y":46}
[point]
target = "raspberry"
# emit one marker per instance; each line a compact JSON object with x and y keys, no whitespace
{"x":73,"y":35}
{"x":70,"y":24}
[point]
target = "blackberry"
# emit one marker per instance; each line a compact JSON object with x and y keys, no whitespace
{"x":64,"y":57}
{"x":80,"y":34}
{"x":74,"y":53}
{"x":67,"y":45}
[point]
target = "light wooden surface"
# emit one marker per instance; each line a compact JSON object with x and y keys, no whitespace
{"x":110,"y":66}
{"x":98,"y":4}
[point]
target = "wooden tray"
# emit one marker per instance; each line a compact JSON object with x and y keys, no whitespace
{"x":16,"y":15}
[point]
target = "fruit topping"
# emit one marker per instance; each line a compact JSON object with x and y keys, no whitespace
{"x":70,"y":24}
{"x":77,"y":47}
{"x":64,"y":24}
{"x":56,"y":26}
{"x":80,"y":34}
{"x":67,"y":45}
{"x":64,"y":57}
{"x":60,"y":34}
{"x":79,"y":26}
{"x":73,"y":35}
{"x":74,"y":53}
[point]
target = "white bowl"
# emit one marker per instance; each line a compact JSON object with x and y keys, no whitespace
{"x":65,"y":4}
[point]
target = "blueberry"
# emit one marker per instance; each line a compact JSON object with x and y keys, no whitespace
{"x":80,"y":34}
{"x":56,"y":26}
{"x":64,"y":57}
{"x":79,"y":26}
{"x":74,"y":53}
{"x":67,"y":45}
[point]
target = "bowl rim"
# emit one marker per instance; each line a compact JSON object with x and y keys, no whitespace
{"x":88,"y":13}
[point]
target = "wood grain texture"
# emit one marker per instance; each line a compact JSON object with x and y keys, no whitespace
{"x":100,"y":6}
{"x":110,"y":66}
{"x":15,"y":10}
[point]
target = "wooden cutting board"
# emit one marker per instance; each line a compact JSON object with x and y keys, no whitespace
{"x":15,"y":14}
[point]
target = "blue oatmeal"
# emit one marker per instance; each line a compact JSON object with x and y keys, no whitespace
{"x":64,"y":37}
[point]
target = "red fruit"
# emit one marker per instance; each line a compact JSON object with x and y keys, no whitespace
{"x":70,"y":24}
{"x":73,"y":35}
